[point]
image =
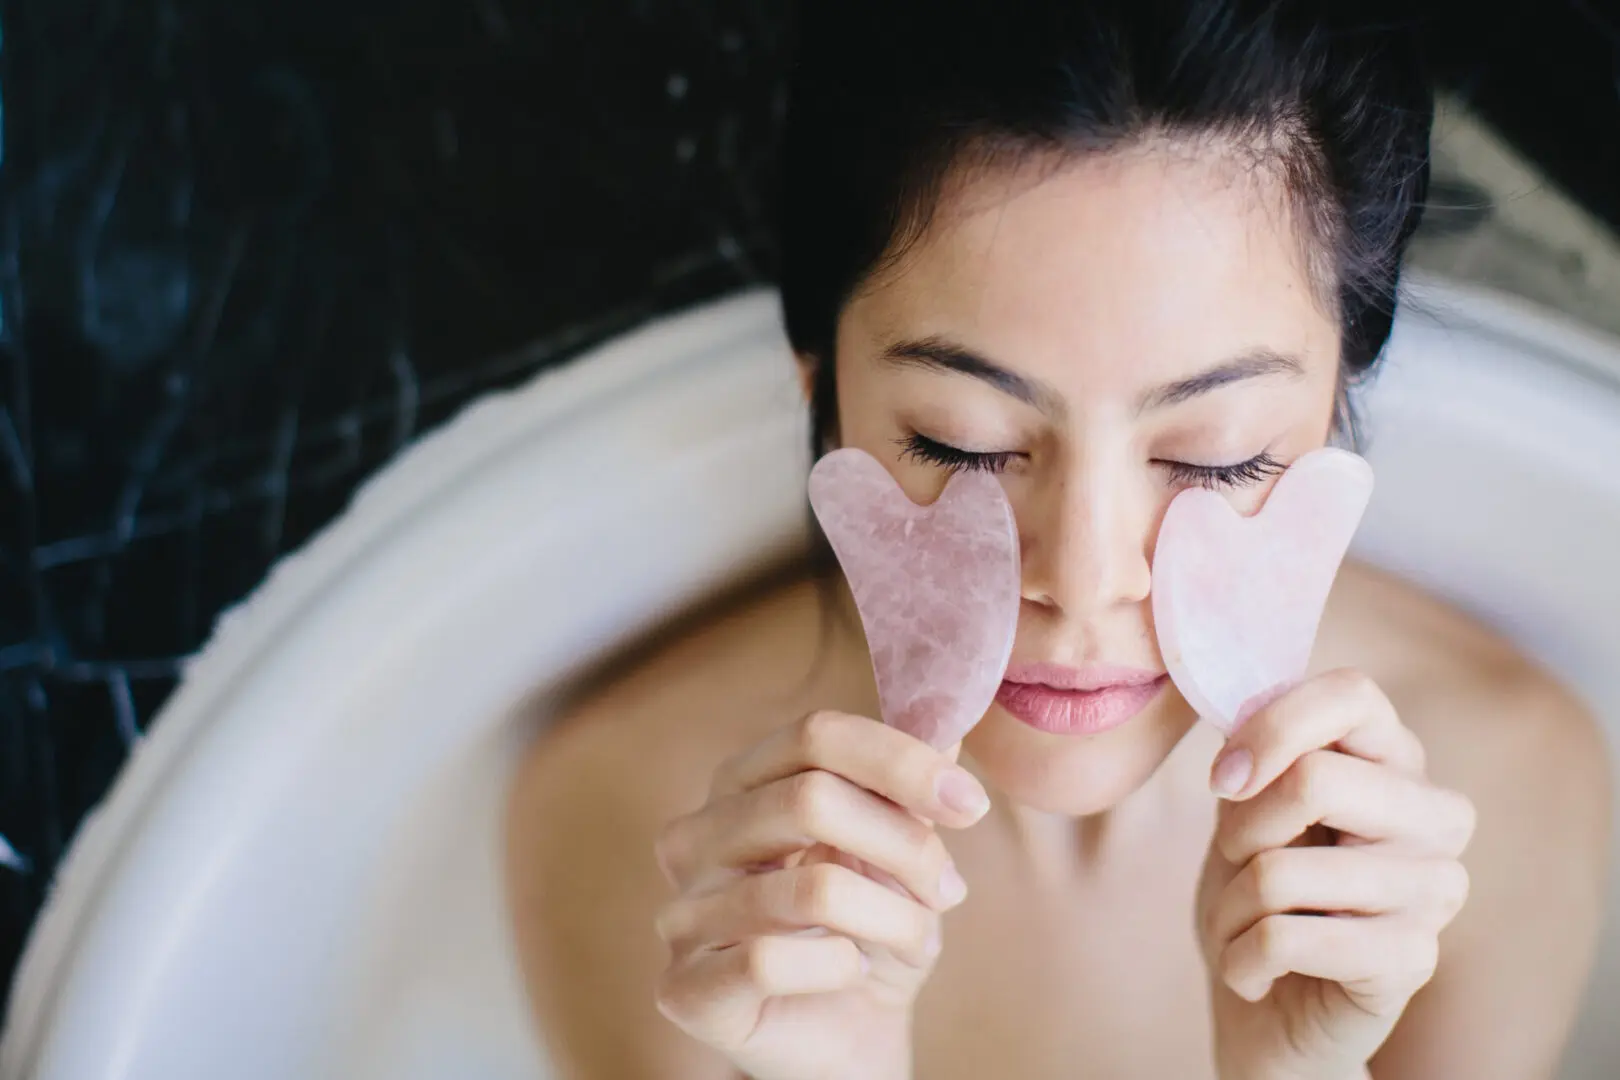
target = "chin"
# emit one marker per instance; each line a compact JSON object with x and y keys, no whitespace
{"x":1076,"y":775}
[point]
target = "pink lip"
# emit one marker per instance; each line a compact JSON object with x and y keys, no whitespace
{"x":1077,"y":701}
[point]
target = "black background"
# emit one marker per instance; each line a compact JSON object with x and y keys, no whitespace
{"x":250,"y":248}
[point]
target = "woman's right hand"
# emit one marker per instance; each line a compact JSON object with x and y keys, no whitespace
{"x":810,"y":888}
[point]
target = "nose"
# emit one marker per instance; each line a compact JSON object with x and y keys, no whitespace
{"x":1086,"y":540}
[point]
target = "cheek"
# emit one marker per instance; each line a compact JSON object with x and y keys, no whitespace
{"x":1245,"y":500}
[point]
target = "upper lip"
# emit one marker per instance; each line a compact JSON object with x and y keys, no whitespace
{"x":1090,"y":677}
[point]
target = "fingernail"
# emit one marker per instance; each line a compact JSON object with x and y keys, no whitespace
{"x":1231,"y":772}
{"x":960,"y":792}
{"x":952,"y":889}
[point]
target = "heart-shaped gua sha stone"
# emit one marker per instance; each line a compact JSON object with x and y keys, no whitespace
{"x":1237,"y":600}
{"x":937,"y":588}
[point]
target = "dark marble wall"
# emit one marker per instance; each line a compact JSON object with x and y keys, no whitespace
{"x":250,"y":248}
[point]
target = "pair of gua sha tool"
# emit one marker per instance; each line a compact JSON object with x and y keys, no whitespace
{"x":1236,"y":600}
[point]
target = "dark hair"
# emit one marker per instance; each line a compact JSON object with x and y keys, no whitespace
{"x":887,"y":97}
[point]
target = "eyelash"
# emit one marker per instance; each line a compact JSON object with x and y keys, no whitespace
{"x":1245,"y":473}
{"x":922,"y":448}
{"x":1257,"y":469}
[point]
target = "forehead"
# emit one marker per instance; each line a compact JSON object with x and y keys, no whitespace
{"x":1168,"y":257}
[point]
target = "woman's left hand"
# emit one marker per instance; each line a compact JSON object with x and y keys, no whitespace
{"x":1333,"y":868}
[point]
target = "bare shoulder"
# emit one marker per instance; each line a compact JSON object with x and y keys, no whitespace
{"x":634,"y":750}
{"x":667,"y":709}
{"x":1479,"y":703}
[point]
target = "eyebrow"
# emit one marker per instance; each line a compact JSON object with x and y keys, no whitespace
{"x":941,"y":354}
{"x":1255,"y":363}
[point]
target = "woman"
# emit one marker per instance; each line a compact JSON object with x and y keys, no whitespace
{"x":1106,"y":249}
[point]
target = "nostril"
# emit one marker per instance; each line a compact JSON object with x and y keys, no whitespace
{"x":1039,"y":600}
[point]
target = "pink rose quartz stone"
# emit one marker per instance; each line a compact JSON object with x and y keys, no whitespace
{"x":1237,"y":600}
{"x":937,"y":588}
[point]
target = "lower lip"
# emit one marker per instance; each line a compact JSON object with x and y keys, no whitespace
{"x":1076,"y":712}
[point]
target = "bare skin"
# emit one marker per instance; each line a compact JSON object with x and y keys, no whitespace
{"x":1077,"y":946}
{"x":1046,"y":968}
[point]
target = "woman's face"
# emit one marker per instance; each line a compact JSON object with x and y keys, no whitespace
{"x":1103,"y":336}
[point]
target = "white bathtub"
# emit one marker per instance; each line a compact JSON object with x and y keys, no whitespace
{"x":297,"y":875}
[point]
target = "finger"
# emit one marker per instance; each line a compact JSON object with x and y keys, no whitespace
{"x":1342,"y":709}
{"x":881,"y":759}
{"x":1343,"y":881}
{"x":825,"y":895}
{"x":717,"y":996}
{"x":1368,"y":801}
{"x":1380,"y":962}
{"x":763,"y":825}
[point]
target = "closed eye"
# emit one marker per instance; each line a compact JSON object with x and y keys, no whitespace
{"x":932,"y":452}
{"x":1256,"y":470}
